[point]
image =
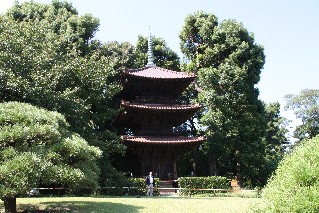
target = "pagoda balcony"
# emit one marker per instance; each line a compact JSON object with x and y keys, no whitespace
{"x":139,"y":115}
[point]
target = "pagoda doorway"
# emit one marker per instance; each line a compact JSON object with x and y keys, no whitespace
{"x":161,"y":166}
{"x":165,"y":170}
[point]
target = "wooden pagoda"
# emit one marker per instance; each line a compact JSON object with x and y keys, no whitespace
{"x":150,"y":112}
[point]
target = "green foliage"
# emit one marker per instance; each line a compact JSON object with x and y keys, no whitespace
{"x":128,"y":186}
{"x":37,"y":149}
{"x":306,"y":108}
{"x":48,"y":59}
{"x":62,"y":19}
{"x":196,"y":35}
{"x":274,"y":139}
{"x":294,"y":186}
{"x":228,"y":64}
{"x":212,"y":182}
{"x":120,"y":56}
{"x":192,"y":162}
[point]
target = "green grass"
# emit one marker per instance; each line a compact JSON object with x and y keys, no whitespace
{"x":134,"y":205}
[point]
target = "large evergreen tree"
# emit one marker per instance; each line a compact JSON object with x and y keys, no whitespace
{"x":48,"y":59}
{"x":37,"y":149}
{"x":275,"y":141}
{"x":228,"y":63}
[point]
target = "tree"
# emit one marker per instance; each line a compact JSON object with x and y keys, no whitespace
{"x":120,"y":56}
{"x":306,"y":108}
{"x":75,"y":32}
{"x":274,"y":139}
{"x":294,"y":185}
{"x":196,"y":36}
{"x":49,"y":59}
{"x":228,"y":63}
{"x":37,"y":148}
{"x":163,"y":56}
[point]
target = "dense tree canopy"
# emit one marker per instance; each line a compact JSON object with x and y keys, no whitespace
{"x":120,"y":56}
{"x":306,"y":108}
{"x":37,"y":149}
{"x":196,"y":36}
{"x":228,"y":63}
{"x":48,"y":59}
{"x":275,"y":140}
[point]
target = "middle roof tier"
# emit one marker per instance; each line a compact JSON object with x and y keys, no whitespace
{"x":149,"y":115}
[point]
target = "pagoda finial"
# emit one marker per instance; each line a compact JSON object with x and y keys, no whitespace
{"x":150,"y":55}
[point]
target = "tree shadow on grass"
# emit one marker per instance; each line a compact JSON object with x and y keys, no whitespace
{"x":77,"y":207}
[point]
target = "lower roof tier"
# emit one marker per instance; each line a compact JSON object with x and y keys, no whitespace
{"x":177,"y":140}
{"x":170,"y":147}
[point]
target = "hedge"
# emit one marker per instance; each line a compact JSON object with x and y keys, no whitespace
{"x":213,"y":182}
{"x":131,"y":187}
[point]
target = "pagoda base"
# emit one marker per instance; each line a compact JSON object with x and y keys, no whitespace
{"x":158,"y":154}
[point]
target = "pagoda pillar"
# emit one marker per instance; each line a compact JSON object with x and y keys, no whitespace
{"x":175,"y":170}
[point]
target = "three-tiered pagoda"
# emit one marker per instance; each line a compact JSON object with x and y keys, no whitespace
{"x":150,"y":112}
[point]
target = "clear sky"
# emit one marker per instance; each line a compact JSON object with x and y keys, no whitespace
{"x":288,"y":30}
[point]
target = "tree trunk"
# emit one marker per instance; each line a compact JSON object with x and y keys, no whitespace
{"x":10,"y":205}
{"x":238,"y":170}
{"x":212,"y":166}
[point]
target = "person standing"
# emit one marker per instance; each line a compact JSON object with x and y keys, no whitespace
{"x":150,"y":184}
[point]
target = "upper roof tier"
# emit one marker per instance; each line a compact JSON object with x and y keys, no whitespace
{"x":154,"y":82}
{"x":158,"y":72}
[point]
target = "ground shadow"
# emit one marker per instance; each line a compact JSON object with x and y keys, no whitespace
{"x":78,"y":206}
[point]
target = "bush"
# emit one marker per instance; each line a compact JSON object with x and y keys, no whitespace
{"x":213,"y":182}
{"x":129,"y":186}
{"x":295,"y":185}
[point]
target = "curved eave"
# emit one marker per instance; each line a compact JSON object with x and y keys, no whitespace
{"x":154,"y":82}
{"x":159,"y":107}
{"x":157,"y":73}
{"x":135,"y":115}
{"x":154,"y":78}
{"x":151,"y":140}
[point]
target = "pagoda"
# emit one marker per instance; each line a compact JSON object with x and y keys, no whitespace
{"x":150,"y":112}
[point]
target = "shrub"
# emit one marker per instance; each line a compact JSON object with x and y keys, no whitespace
{"x":295,"y":185}
{"x":129,"y":186}
{"x":37,"y":148}
{"x":213,"y":182}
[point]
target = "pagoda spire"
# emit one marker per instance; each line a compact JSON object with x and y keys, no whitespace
{"x":150,"y":55}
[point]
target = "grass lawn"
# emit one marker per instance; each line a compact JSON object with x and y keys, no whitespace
{"x":134,"y":204}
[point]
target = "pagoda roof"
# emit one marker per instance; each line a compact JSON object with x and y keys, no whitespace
{"x":137,"y":115}
{"x":155,"y":72}
{"x":160,"y":107}
{"x":163,"y":139}
{"x":154,"y":81}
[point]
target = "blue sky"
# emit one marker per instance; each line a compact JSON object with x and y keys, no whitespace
{"x":288,"y":30}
